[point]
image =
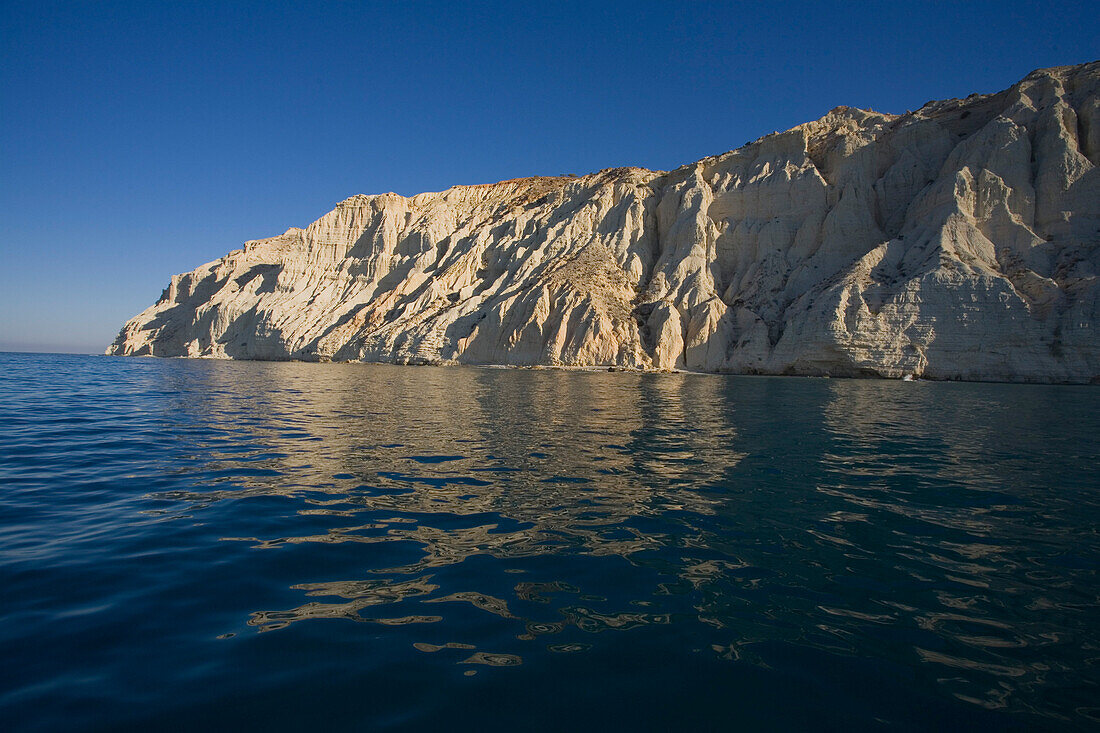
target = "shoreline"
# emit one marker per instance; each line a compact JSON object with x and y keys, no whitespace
{"x":867,"y":375}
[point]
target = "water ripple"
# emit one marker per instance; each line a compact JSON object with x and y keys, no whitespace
{"x":869,"y":553}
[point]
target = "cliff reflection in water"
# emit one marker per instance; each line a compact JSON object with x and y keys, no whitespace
{"x":460,"y":463}
{"x":527,"y":509}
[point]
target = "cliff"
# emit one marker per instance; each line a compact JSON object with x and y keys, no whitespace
{"x":959,"y":241}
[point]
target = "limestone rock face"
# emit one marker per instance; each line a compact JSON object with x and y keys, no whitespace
{"x":960,"y":241}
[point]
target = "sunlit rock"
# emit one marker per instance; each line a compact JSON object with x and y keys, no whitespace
{"x":960,"y":241}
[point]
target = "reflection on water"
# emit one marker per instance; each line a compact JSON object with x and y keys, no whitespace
{"x":462,"y":463}
{"x":939,"y":539}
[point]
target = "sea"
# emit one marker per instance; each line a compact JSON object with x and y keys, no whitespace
{"x":203,"y":545}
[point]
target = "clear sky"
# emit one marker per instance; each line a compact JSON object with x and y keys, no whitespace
{"x":138,"y":140}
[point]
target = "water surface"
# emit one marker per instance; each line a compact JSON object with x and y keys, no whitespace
{"x":239,"y":545}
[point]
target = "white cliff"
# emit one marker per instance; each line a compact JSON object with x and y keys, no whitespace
{"x":960,"y":241}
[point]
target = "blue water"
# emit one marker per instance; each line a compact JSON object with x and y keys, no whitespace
{"x":193,"y":545}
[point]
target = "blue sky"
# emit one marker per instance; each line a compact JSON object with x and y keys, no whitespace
{"x":138,"y":140}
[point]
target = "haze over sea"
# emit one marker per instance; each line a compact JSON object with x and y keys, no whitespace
{"x":187,"y":545}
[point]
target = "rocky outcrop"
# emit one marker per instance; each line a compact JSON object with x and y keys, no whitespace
{"x":960,"y":241}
